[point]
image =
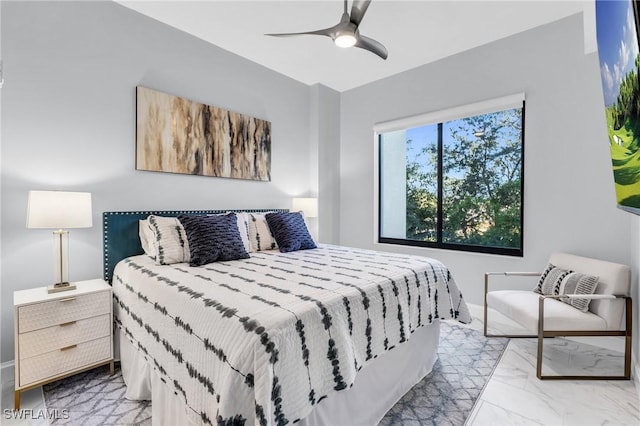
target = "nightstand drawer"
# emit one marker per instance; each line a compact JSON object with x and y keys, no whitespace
{"x":60,"y":311}
{"x":55,"y":363}
{"x":59,"y":336}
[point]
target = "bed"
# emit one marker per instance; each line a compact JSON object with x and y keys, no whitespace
{"x":332,"y":335}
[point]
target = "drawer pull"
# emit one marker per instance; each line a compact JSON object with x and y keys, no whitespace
{"x":68,"y":299}
{"x":66,"y":348}
{"x":68,"y":323}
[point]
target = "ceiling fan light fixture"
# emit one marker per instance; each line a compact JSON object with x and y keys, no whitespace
{"x":345,"y":40}
{"x":346,"y":33}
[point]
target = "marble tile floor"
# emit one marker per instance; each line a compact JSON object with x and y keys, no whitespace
{"x":32,"y":404}
{"x":513,"y":395}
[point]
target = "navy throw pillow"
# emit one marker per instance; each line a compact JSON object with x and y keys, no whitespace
{"x":290,"y":231}
{"x":213,"y":238}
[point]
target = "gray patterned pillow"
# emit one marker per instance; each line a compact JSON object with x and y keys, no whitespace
{"x":290,"y":231}
{"x":169,"y":242}
{"x":213,"y":238}
{"x":557,"y":281}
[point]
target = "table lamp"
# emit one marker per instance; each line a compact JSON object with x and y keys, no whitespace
{"x":59,"y":210}
{"x":308,"y":206}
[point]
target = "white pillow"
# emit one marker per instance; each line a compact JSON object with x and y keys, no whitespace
{"x":168,"y":234}
{"x":260,"y":236}
{"x":169,"y":240}
{"x":243,"y":227}
{"x":146,"y":237}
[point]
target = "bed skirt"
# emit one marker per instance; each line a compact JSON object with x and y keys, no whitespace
{"x":378,"y":386}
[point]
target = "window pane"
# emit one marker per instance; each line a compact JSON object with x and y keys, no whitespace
{"x":409,"y":184}
{"x":393,"y":194}
{"x":422,"y":183}
{"x":481,"y":164}
{"x":455,"y":184}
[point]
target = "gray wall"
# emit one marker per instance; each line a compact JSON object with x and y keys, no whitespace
{"x":69,"y":123}
{"x":635,"y":293}
{"x":569,"y":196}
{"x":325,"y":127}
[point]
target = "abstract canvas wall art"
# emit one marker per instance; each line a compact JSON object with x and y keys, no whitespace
{"x":177,"y":135}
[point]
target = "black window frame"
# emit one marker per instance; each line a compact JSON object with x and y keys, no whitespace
{"x":439,"y":244}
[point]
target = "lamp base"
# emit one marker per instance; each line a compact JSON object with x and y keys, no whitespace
{"x":55,"y":288}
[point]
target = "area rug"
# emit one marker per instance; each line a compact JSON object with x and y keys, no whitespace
{"x":94,"y":398}
{"x":444,"y":397}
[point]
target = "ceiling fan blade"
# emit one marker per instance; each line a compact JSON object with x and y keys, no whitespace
{"x":329,"y":32}
{"x":372,"y":46}
{"x":358,"y":9}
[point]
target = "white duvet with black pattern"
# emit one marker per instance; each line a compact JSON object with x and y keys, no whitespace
{"x":263,"y":340}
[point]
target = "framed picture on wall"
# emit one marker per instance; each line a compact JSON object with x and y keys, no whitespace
{"x":617,"y":33}
{"x":178,"y":135}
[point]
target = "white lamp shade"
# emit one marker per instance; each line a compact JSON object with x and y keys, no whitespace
{"x":309,"y":206}
{"x":59,"y":210}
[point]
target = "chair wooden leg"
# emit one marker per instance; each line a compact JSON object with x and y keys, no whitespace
{"x":627,"y":338}
{"x":486,"y":290}
{"x":540,"y":338}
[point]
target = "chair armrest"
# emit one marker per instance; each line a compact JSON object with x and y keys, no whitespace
{"x":585,"y":296}
{"x":507,"y":274}
{"x":521,"y":274}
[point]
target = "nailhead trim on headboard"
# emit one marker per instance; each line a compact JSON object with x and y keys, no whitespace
{"x":117,"y":247}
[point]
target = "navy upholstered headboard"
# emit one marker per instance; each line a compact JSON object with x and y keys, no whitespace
{"x":120,"y":233}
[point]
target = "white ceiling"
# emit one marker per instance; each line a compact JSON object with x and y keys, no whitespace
{"x":415,"y":32}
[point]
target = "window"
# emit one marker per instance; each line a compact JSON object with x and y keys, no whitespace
{"x":454,"y":179}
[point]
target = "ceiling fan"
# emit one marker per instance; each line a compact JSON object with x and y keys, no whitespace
{"x":346,"y":33}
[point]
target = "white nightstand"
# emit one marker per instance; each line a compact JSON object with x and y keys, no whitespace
{"x":61,"y":334}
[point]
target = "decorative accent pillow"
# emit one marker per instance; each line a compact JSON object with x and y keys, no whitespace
{"x":290,"y":231}
{"x":146,"y":238}
{"x":260,"y":236}
{"x":213,"y":238}
{"x":169,"y":240}
{"x":243,"y":227}
{"x":556,"y":281}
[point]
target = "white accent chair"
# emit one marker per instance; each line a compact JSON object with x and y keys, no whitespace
{"x":609,"y":313}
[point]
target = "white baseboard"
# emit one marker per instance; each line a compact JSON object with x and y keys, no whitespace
{"x":8,"y":364}
{"x":6,"y":371}
{"x":635,"y":372}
